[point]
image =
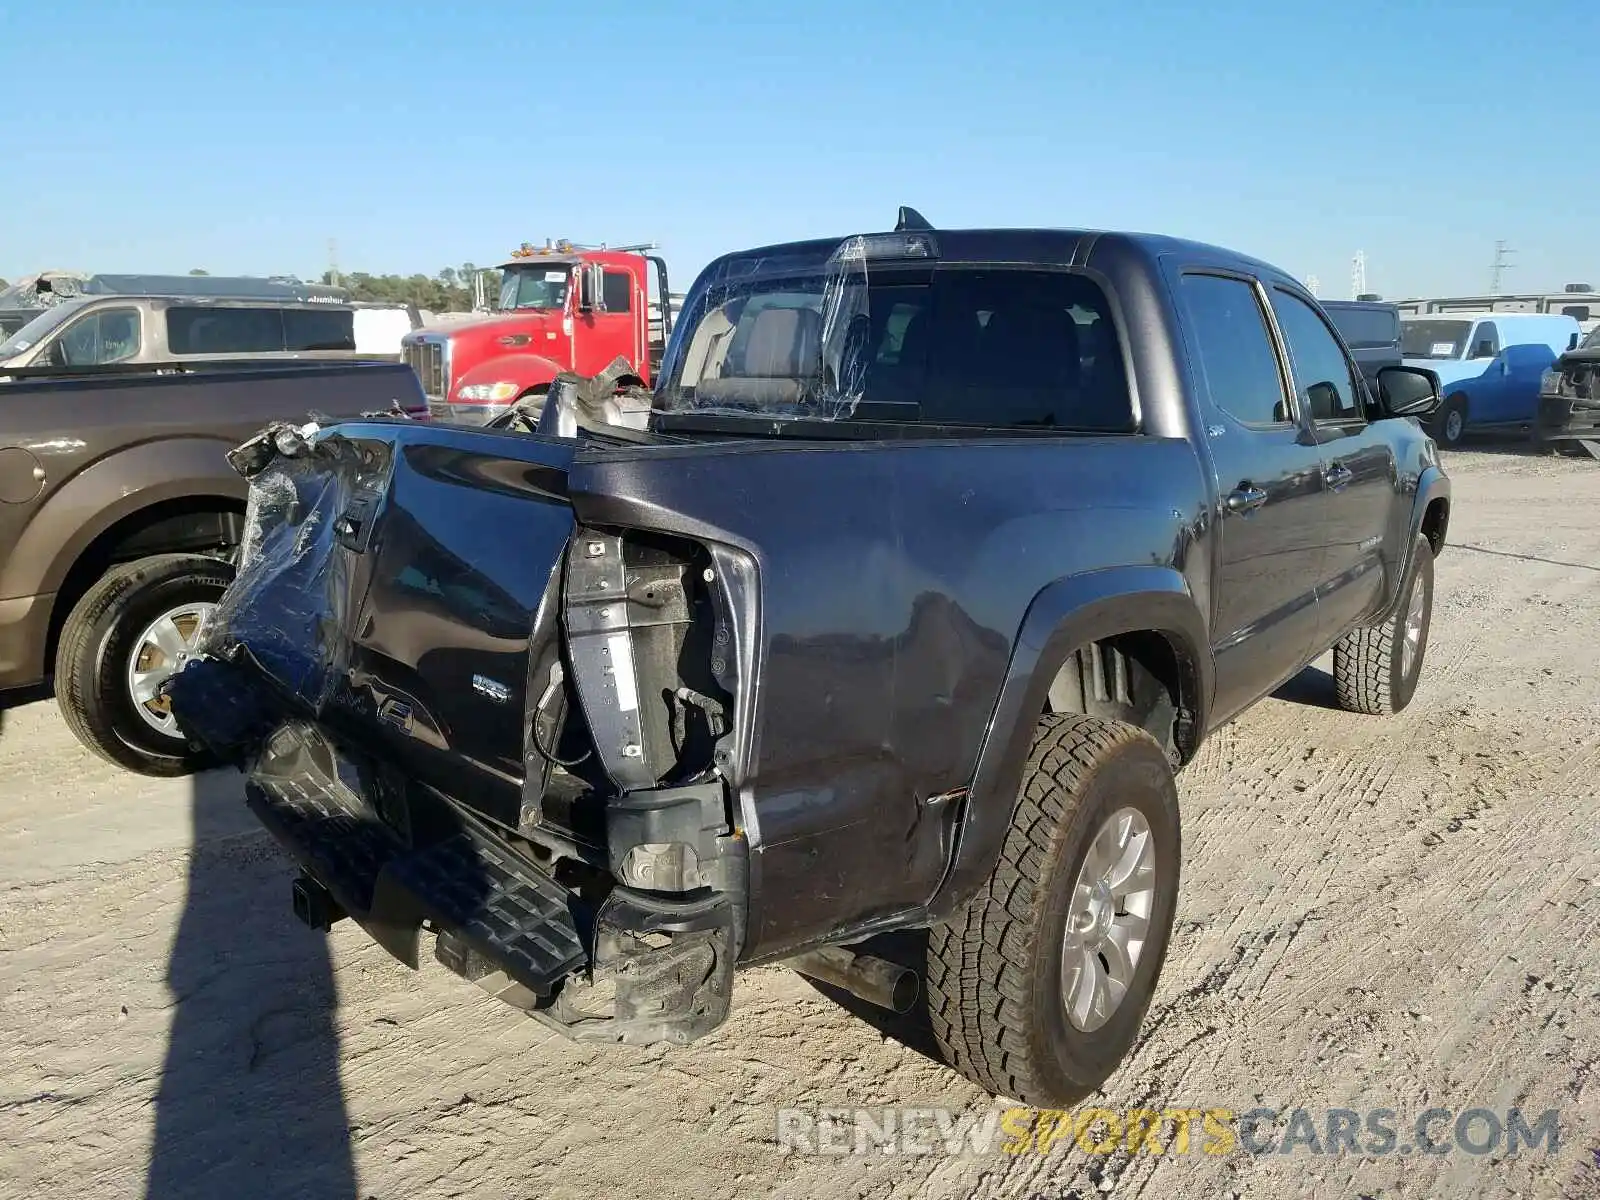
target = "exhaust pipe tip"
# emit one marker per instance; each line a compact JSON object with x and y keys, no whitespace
{"x":878,"y":981}
{"x":907,"y":987}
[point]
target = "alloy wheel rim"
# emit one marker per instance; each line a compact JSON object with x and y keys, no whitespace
{"x":160,"y":652}
{"x":1411,"y":631}
{"x":1108,"y":919}
{"x":1452,"y":425}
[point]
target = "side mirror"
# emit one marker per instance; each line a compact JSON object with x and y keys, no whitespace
{"x":591,"y":288}
{"x":1407,"y":392}
{"x":1483,"y":350}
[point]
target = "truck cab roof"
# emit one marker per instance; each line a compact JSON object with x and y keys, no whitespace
{"x":1038,"y":245}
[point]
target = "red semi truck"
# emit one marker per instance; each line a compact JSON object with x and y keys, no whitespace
{"x":561,"y":307}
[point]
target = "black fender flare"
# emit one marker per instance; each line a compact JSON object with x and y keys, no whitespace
{"x":1432,"y":484}
{"x":1065,"y":616}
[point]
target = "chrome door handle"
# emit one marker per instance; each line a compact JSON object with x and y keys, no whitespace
{"x":1337,"y":476}
{"x":1245,"y":498}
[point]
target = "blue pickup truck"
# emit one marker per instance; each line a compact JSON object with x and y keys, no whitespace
{"x":1489,"y":366}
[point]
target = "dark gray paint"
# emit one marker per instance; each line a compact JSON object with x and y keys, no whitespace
{"x":905,"y":603}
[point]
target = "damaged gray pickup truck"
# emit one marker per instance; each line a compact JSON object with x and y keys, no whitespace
{"x":941,"y":552}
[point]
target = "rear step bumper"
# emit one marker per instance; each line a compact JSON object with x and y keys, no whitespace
{"x":602,"y":963}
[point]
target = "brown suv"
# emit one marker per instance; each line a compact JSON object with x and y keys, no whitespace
{"x":119,"y":518}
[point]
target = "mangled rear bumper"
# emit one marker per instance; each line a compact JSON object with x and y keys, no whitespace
{"x":605,"y":963}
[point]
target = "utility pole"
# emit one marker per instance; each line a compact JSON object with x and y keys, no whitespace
{"x":1358,"y":274}
{"x":1500,"y":267}
{"x":333,"y":262}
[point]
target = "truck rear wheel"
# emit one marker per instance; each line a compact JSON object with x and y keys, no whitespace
{"x":1375,"y":670}
{"x":1036,"y":992}
{"x":131,"y":631}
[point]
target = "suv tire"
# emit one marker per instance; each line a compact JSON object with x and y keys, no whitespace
{"x":96,"y":656}
{"x":1375,"y":670}
{"x":1000,"y":973}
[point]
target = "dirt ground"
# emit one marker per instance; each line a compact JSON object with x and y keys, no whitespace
{"x":1376,"y":914}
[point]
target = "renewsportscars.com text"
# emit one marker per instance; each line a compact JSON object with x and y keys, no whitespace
{"x":1371,"y":1132}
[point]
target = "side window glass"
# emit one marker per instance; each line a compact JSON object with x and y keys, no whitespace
{"x":618,"y":291}
{"x":200,"y":329}
{"x":119,"y":335}
{"x":1230,"y":332}
{"x":1485,"y":341}
{"x":95,"y":341}
{"x":319,"y":329}
{"x":1323,"y":379}
{"x":78,"y":345}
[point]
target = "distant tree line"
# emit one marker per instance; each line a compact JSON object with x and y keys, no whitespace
{"x":448,"y":291}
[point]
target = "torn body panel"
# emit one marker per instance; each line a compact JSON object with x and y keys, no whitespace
{"x":411,"y":710}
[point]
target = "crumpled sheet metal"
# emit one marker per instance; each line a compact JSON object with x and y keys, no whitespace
{"x":592,"y":402}
{"x":285,"y":616}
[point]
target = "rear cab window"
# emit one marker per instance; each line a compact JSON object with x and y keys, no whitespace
{"x":947,"y":345}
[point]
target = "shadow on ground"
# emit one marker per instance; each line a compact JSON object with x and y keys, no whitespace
{"x":17,"y":697}
{"x":249,"y":1103}
{"x":1312,"y":687}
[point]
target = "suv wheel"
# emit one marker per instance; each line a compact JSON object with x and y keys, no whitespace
{"x":1036,"y":992}
{"x":1375,"y":670}
{"x":132,"y":630}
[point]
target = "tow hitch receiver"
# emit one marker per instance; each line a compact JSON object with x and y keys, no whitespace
{"x":315,"y":905}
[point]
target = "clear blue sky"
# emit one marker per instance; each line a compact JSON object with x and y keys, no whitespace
{"x":240,"y":136}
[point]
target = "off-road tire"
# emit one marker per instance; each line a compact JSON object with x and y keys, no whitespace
{"x":994,"y":970}
{"x":1441,"y":423}
{"x":1369,"y":673}
{"x":92,"y":657}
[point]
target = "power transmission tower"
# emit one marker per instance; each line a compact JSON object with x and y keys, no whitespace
{"x":333,"y":262}
{"x":1500,"y":267}
{"x":1358,"y":274}
{"x":1313,"y":285}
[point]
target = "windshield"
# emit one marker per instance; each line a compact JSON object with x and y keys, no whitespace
{"x":41,"y":327}
{"x":1592,"y":342}
{"x":1434,"y":339}
{"x":534,"y":287}
{"x":948,"y":344}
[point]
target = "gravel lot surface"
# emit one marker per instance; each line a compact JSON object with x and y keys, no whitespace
{"x":1395,"y":914}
